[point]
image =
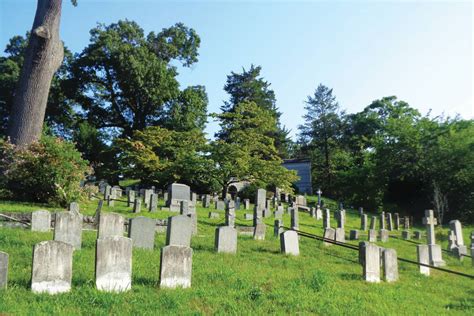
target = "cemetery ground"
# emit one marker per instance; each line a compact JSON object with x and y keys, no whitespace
{"x":257,"y":280}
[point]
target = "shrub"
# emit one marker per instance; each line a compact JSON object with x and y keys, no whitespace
{"x":47,"y":171}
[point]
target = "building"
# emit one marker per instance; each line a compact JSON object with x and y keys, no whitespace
{"x":303,"y":169}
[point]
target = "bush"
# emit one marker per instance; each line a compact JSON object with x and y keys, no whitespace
{"x":47,"y":171}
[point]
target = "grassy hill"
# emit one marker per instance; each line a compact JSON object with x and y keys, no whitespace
{"x":258,"y":280}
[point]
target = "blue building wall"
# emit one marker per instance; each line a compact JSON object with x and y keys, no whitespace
{"x":303,"y":169}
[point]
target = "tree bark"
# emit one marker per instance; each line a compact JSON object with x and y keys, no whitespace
{"x":43,"y":57}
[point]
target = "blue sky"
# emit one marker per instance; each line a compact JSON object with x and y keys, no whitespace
{"x":420,"y":51}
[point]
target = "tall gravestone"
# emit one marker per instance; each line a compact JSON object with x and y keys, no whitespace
{"x":329,"y":235}
{"x":259,"y":231}
{"x":261,"y":198}
{"x":278,"y":227}
{"x":382,"y":221}
{"x":373,"y":222}
{"x":363,"y":222}
{"x":371,"y":266}
{"x":319,"y":213}
{"x":390,"y":265}
{"x":327,"y":219}
{"x":113,"y":265}
{"x":41,"y":221}
{"x":246,"y":204}
{"x":423,"y":255}
{"x":137,"y":205}
{"x":289,"y":243}
{"x":68,"y":228}
{"x":3,"y":270}
{"x":74,"y":207}
{"x":389,"y":221}
{"x":141,"y":231}
{"x":130,"y":198}
{"x":459,"y":248}
{"x":396,"y":218}
{"x":52,"y":267}
{"x":153,"y":207}
{"x":434,"y":250}
{"x":179,"y":231}
{"x":294,"y":219}
{"x":110,"y":224}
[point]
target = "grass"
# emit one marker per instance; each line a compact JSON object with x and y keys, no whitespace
{"x":257,"y":280}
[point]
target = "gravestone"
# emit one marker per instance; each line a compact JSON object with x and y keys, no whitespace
{"x":237,"y":203}
{"x":396,"y":217}
{"x":259,"y":231}
{"x":459,"y":248}
{"x":110,"y":200}
{"x":147,"y":198}
{"x":363,"y":222}
{"x":362,"y":246}
{"x":41,"y":221}
{"x":177,"y":192}
{"x":278,"y":213}
{"x":329,"y":234}
{"x":312,"y":212}
{"x":74,"y":207}
{"x":113,"y":264}
{"x":230,"y":217}
{"x":110,"y":224}
{"x":300,"y":200}
{"x":184,"y":208}
{"x":257,"y":216}
{"x":472,"y":247}
{"x":248,"y":216}
{"x":389,"y":221}
{"x":434,"y":250}
{"x":423,"y":256}
{"x":68,"y":228}
{"x":319,"y":213}
{"x":372,"y":222}
{"x":3,"y":270}
{"x":406,"y":222}
{"x":179,"y":231}
{"x":294,"y":219}
{"x":261,"y":198}
{"x":382,"y":220}
{"x":226,"y":239}
{"x":406,"y":235}
{"x":327,"y":219}
{"x":137,"y":205}
{"x":220,"y":205}
{"x":52,"y":267}
{"x":206,"y":201}
{"x":176,"y":266}
{"x":383,"y":235}
{"x":141,"y":230}
{"x":390,"y":265}
{"x":266,"y":212}
{"x":354,"y":234}
{"x":214,"y":215}
{"x":246,"y":204}
{"x":165,"y":196}
{"x":372,"y":235}
{"x":153,"y":202}
{"x":371,"y":266}
{"x":130,"y":198}
{"x":289,"y":243}
{"x":340,"y":235}
{"x":361,"y":211}
{"x":277,"y":227}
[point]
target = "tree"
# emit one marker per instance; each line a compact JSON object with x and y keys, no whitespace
{"x":247,"y":153}
{"x":249,"y":86}
{"x":321,"y":133}
{"x":44,"y":54}
{"x":125,"y":81}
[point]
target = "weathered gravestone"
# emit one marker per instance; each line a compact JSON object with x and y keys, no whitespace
{"x":372,"y":235}
{"x":130,"y":198}
{"x":248,"y":216}
{"x":3,"y":270}
{"x":259,"y":231}
{"x":389,"y":221}
{"x":373,"y":220}
{"x":257,"y":216}
{"x":41,"y":221}
{"x":261,"y":198}
{"x":363,"y":222}
{"x":390,"y":265}
{"x":246,"y":204}
{"x":147,"y":197}
{"x":179,"y":232}
{"x":113,"y":264}
{"x":384,"y":235}
{"x":371,"y":264}
{"x":110,"y":224}
{"x":237,"y":203}
{"x":206,"y":201}
{"x":176,"y":266}
{"x":319,"y":213}
{"x":289,"y":243}
{"x":294,"y":219}
{"x":230,"y":216}
{"x":52,"y":267}
{"x":423,"y":256}
{"x":327,"y":219}
{"x":220,"y":205}
{"x":396,"y":217}
{"x":459,"y":248}
{"x":406,"y":235}
{"x":153,"y":206}
{"x":74,"y":207}
{"x":329,"y":235}
{"x":382,"y":220}
{"x":68,"y":228}
{"x":406,"y":222}
{"x":142,"y":232}
{"x":434,"y":250}
{"x":340,"y":217}
{"x":340,"y":235}
{"x":226,"y":239}
{"x":176,"y":193}
{"x":137,"y":205}
{"x":214,"y":215}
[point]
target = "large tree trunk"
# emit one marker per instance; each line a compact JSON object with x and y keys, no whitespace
{"x":43,"y":57}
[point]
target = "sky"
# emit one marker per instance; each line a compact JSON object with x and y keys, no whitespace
{"x":419,"y":51}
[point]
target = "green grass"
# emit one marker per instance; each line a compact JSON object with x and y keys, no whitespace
{"x":257,"y":280}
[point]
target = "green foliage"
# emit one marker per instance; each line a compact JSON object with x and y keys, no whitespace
{"x":160,"y":156}
{"x":48,"y":171}
{"x":125,"y":81}
{"x":247,"y":153}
